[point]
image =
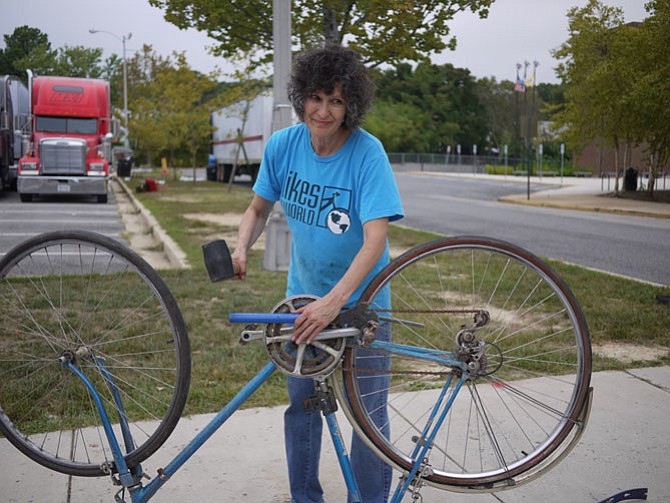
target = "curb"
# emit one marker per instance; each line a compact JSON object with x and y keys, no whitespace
{"x":582,"y":207}
{"x":175,"y":255}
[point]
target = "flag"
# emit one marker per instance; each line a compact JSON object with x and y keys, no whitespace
{"x":519,"y":84}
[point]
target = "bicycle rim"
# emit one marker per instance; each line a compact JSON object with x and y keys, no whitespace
{"x":89,"y":296}
{"x":525,"y":398}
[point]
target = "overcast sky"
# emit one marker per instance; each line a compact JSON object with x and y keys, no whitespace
{"x":515,"y":31}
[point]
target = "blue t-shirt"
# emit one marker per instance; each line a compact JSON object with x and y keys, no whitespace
{"x":326,"y":201}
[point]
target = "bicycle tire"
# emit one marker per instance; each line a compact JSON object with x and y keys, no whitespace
{"x":527,"y":401}
{"x":91,"y":296}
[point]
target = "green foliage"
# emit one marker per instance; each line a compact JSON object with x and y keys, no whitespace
{"x":383,"y":31}
{"x":171,"y":106}
{"x":29,"y":49}
{"x":396,"y":126}
{"x":427,"y":109}
{"x":26,"y":48}
{"x":615,"y":76}
{"x":617,"y":309}
{"x":79,"y":61}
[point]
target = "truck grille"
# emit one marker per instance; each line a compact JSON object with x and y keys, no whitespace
{"x":63,"y":156}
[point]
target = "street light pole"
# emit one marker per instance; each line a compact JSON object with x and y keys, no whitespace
{"x":123,"y":40}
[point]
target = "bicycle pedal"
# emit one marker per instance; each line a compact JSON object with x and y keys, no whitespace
{"x":323,"y":402}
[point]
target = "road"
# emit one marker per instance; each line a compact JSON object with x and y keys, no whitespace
{"x":636,"y":247}
{"x":19,"y":221}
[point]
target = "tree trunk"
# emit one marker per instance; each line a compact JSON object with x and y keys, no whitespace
{"x":616,"y":164}
{"x":653,"y":169}
{"x":330,"y":29}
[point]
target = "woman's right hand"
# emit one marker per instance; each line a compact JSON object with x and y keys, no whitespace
{"x":239,"y":264}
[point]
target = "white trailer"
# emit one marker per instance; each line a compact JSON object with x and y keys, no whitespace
{"x":239,"y":138}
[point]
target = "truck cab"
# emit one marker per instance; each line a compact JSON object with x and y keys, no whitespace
{"x":70,"y":145}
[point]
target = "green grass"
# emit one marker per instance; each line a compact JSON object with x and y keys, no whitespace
{"x":618,"y":310}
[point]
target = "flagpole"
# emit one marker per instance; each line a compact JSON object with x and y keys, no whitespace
{"x":527,"y":149}
{"x":530,"y":119}
{"x":516,"y":117}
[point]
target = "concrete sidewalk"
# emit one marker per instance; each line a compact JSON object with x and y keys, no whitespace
{"x":573,"y":193}
{"x":586,"y":194}
{"x":626,"y":445}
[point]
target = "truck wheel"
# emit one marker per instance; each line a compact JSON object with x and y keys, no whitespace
{"x":26,"y":198}
{"x":227,"y":173}
{"x":102,"y":198}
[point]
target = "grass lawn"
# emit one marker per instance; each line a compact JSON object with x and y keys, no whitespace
{"x":629,"y":326}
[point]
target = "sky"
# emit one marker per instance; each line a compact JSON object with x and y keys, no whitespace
{"x":515,"y":31}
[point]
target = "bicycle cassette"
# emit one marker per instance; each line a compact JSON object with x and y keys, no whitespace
{"x":318,"y":359}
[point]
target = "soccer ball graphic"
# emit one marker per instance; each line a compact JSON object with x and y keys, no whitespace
{"x":338,"y":221}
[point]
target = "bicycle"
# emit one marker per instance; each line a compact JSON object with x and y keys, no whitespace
{"x":486,"y":377}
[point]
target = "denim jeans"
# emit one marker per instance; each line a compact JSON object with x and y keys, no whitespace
{"x":303,"y":430}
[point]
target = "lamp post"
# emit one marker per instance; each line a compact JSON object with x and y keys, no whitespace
{"x":123,"y":40}
{"x":474,"y":158}
{"x":562,"y":159}
{"x":505,"y":153}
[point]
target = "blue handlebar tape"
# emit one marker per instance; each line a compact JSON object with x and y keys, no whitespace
{"x":285,"y":318}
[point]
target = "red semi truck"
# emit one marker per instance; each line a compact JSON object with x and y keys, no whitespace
{"x":69,"y":147}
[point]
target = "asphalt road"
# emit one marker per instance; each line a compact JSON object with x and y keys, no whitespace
{"x":19,"y":221}
{"x":636,"y":247}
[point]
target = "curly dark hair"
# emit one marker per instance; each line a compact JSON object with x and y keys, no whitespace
{"x":321,"y":69}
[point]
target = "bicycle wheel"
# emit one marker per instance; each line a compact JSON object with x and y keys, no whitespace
{"x":524,"y":347}
{"x":87,"y":296}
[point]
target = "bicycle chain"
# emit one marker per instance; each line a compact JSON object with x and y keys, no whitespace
{"x":396,"y":372}
{"x":430,"y":311}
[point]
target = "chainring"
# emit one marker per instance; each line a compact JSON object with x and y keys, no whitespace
{"x":318,"y":359}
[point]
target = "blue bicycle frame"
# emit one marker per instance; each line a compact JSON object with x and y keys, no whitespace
{"x":130,"y":478}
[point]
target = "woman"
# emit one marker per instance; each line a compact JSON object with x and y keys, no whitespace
{"x":338,"y":193}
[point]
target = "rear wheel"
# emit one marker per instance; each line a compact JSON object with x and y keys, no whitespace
{"x":26,"y":198}
{"x":524,"y":345}
{"x":90,"y":298}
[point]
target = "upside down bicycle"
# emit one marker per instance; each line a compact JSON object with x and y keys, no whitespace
{"x":486,"y":375}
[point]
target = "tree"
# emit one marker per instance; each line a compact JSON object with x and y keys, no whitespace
{"x":79,"y":61}
{"x":383,"y":31}
{"x":616,"y":75}
{"x":171,"y":106}
{"x":395,"y":124}
{"x":444,"y":105}
{"x":26,"y":48}
{"x":29,"y":49}
{"x":651,"y":87}
{"x":145,"y":101}
{"x":186,"y":90}
{"x":595,"y":82}
{"x":497,"y":99}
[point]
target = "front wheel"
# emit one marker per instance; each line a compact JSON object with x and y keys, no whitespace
{"x":516,"y":337}
{"x":89,"y":298}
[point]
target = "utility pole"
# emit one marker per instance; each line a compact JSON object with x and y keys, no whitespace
{"x":278,"y":237}
{"x":281,"y":33}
